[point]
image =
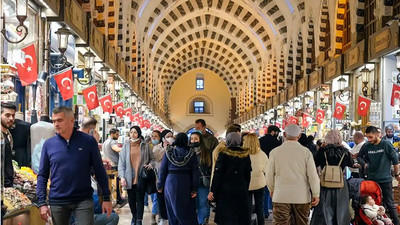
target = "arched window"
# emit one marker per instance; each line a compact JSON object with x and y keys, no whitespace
{"x":200,"y":105}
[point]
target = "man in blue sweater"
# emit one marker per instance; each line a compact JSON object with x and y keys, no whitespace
{"x":376,"y":157}
{"x":68,"y":159}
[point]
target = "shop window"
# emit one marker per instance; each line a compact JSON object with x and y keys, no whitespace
{"x":199,"y":83}
{"x":370,"y":19}
{"x":396,"y":7}
{"x":346,"y":28}
{"x":198,"y":107}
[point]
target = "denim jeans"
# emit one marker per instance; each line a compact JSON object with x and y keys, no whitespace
{"x":83,"y":213}
{"x":146,"y":199}
{"x":267,"y":202}
{"x":136,"y":202}
{"x":258,"y":203}
{"x":388,"y":202}
{"x":154,"y":210}
{"x":101,"y":219}
{"x":203,"y":209}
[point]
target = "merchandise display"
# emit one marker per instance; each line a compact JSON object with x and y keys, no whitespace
{"x":25,"y":181}
{"x":15,"y":200}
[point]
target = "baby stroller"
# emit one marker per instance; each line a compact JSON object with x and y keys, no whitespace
{"x":357,"y":188}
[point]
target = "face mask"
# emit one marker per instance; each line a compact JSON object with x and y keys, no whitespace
{"x":170,"y":140}
{"x":155,"y":142}
{"x":195,"y":144}
{"x":135,"y":140}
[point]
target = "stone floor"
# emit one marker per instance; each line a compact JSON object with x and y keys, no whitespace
{"x":125,"y":217}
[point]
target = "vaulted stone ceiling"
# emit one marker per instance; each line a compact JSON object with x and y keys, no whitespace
{"x":232,"y":38}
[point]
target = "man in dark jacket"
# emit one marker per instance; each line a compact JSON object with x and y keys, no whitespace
{"x":68,"y":159}
{"x":389,"y":130}
{"x":210,"y":141}
{"x":267,"y":143}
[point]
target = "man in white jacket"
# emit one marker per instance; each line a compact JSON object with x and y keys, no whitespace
{"x":291,"y":174}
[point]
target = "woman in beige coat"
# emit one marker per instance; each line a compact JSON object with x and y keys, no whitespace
{"x":258,"y":180}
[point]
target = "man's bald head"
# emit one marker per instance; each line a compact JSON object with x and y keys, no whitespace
{"x":358,"y":137}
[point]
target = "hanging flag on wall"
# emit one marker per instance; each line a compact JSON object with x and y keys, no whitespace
{"x":128,"y":112}
{"x":363,"y":105}
{"x":339,"y":111}
{"x":293,"y":120}
{"x":119,"y":109}
{"x":90,"y":95}
{"x":395,"y":94}
{"x":27,"y":71}
{"x":106,"y":103}
{"x":65,"y":84}
{"x":146,"y":123}
{"x":320,"y":116}
{"x":304,"y":121}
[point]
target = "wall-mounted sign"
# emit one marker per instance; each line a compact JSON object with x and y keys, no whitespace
{"x":96,"y":41}
{"x":315,"y":79}
{"x":76,"y":18}
{"x":334,"y":68}
{"x":355,"y":57}
{"x":282,"y":97}
{"x":291,"y":92}
{"x":53,"y":8}
{"x":383,"y":41}
{"x":121,"y":68}
{"x":111,"y":57}
{"x":302,"y":86}
{"x":275,"y":100}
{"x":269,"y":104}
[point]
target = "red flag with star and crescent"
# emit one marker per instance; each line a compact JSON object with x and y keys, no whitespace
{"x":140,"y":121}
{"x":339,"y":111}
{"x":128,"y":112}
{"x":27,"y":71}
{"x":304,"y":121}
{"x":65,"y":84}
{"x":363,"y":105}
{"x":146,"y":123}
{"x":395,"y":94}
{"x":320,"y":116}
{"x":106,"y":103}
{"x":90,"y":95}
{"x":135,"y":118}
{"x":119,"y":109}
{"x":293,"y":120}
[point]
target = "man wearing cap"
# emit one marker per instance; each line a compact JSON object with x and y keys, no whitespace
{"x":389,"y":130}
{"x":291,"y":175}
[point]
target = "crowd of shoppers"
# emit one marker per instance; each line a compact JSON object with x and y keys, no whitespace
{"x":242,"y":175}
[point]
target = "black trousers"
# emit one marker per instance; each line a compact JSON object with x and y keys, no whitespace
{"x":162,"y":209}
{"x":258,"y":203}
{"x":388,"y":202}
{"x":136,"y":202}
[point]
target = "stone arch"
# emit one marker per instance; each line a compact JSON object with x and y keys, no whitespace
{"x":208,"y":109}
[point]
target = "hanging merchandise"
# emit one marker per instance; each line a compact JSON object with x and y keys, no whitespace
{"x":320,"y":116}
{"x":64,"y":83}
{"x":106,"y":103}
{"x":339,"y":111}
{"x":27,"y":71}
{"x":90,"y":95}
{"x":395,"y":94}
{"x":293,"y":120}
{"x":363,"y":105}
{"x":119,"y":109}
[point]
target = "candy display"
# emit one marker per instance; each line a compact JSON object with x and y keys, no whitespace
{"x":25,"y":181}
{"x":14,"y":199}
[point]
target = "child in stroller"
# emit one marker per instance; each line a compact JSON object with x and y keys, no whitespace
{"x":374,"y":212}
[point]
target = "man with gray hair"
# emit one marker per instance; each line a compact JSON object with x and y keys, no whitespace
{"x":292,"y":179}
{"x":359,"y":140}
{"x":389,"y":130}
{"x":89,"y":126}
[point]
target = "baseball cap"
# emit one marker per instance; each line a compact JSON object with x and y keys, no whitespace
{"x":292,"y":130}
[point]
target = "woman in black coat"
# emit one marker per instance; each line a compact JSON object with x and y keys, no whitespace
{"x":230,"y":183}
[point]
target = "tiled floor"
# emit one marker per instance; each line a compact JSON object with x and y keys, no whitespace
{"x":125,"y":217}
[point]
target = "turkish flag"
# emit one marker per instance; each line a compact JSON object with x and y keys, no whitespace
{"x":304,"y":121}
{"x":294,"y":120}
{"x":27,"y":71}
{"x":363,"y":105}
{"x":339,"y":111}
{"x":128,"y":112}
{"x":106,"y":103}
{"x":320,"y":116}
{"x":395,"y":94}
{"x":90,"y":95}
{"x":65,"y":84}
{"x":278,"y":124}
{"x":146,"y":123}
{"x":119,"y":109}
{"x":140,"y":121}
{"x":284,"y":124}
{"x":135,"y":118}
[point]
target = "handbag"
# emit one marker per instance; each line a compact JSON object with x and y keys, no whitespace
{"x":205,"y":179}
{"x":332,"y":176}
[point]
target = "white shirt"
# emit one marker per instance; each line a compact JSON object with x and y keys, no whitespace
{"x":355,"y":150}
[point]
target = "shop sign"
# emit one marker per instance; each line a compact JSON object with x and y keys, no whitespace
{"x":282,"y":97}
{"x":302,"y":86}
{"x":269,"y":104}
{"x":275,"y":100}
{"x":383,"y":41}
{"x":354,"y":58}
{"x":315,"y":79}
{"x":121,"y":68}
{"x":333,"y":68}
{"x":96,"y":41}
{"x":76,"y":18}
{"x":110,"y":57}
{"x":291,"y":92}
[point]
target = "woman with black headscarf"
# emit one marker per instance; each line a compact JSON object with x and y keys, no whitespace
{"x":179,"y":180}
{"x":135,"y":157}
{"x":230,"y":184}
